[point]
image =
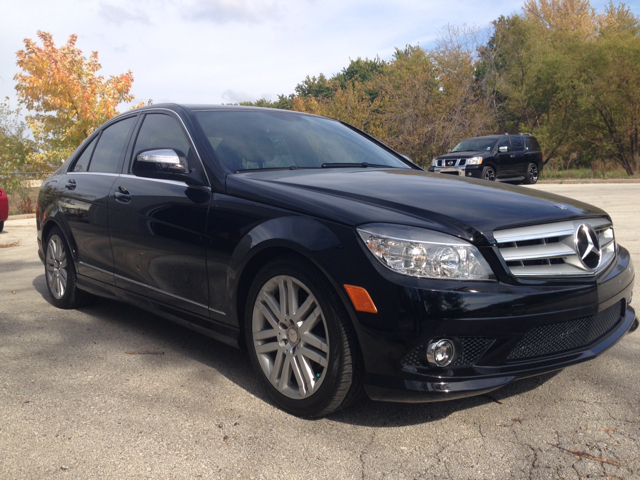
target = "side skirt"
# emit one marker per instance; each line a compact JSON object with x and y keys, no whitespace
{"x":222,"y":332}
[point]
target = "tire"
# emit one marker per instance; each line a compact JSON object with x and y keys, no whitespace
{"x":1,"y":226}
{"x":60,"y":273}
{"x":532,"y":174}
{"x":310,"y":365}
{"x":488,"y":173}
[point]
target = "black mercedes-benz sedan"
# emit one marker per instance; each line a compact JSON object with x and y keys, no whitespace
{"x":341,"y":267}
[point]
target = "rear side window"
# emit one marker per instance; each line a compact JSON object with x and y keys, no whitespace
{"x":160,"y":131}
{"x":108,"y":152}
{"x":517,"y":144}
{"x":82,"y":164}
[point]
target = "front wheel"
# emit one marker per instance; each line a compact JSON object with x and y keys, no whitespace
{"x":300,"y":339}
{"x":488,"y":173}
{"x":532,"y":174}
{"x":60,"y":272}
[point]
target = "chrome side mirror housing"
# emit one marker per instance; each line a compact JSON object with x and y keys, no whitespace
{"x":165,"y":160}
{"x":503,"y":149}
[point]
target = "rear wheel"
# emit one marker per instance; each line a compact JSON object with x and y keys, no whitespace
{"x":488,"y":173}
{"x":300,"y":339}
{"x":60,"y":272}
{"x":532,"y":174}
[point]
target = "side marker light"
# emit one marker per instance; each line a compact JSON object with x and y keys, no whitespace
{"x":361,"y":299}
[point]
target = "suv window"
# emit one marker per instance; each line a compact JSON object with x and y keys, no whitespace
{"x":82,"y":163}
{"x":527,"y":144}
{"x":108,"y":152}
{"x":517,"y":143}
{"x":161,"y":131}
{"x":504,"y":142}
{"x":534,"y":144}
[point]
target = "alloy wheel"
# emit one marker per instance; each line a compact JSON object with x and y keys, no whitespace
{"x":533,"y":173}
{"x":290,"y":337}
{"x":56,"y":267}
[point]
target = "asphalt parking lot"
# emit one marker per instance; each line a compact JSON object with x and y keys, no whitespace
{"x":111,"y":391}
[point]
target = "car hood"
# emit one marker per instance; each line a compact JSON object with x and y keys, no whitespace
{"x":478,"y":153}
{"x":468,"y":208}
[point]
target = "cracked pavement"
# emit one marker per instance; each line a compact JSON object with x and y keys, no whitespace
{"x":75,"y":402}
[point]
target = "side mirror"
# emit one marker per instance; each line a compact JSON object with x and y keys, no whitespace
{"x":165,"y":164}
{"x":160,"y":160}
{"x":503,"y":148}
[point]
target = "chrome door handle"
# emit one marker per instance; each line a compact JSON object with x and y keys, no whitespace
{"x":71,"y":185}
{"x":122,"y":195}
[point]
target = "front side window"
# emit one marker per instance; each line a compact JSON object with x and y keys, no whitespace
{"x":160,"y":132}
{"x":248,"y":140}
{"x":108,"y":152}
{"x":504,"y":143}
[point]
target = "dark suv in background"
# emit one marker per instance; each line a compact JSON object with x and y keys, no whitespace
{"x":509,"y":158}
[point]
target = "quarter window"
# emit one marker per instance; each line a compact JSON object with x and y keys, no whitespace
{"x":108,"y":152}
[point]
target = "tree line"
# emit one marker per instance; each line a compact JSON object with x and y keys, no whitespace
{"x":559,"y":70}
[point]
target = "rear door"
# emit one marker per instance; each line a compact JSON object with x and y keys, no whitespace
{"x":84,"y":198}
{"x":157,"y":226}
{"x":517,"y":144}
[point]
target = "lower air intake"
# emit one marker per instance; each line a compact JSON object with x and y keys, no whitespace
{"x":566,"y":336}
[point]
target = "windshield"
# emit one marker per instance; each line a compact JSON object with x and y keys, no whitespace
{"x":475,"y":145}
{"x":249,"y":140}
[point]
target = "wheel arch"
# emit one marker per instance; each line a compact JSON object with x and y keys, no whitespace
{"x":275,"y":238}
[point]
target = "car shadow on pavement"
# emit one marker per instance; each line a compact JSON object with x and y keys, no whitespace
{"x":120,"y":320}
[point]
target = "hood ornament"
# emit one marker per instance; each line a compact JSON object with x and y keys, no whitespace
{"x":588,"y":246}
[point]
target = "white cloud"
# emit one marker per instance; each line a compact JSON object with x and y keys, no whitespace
{"x":118,"y":15}
{"x":225,"y":11}
{"x":233,"y":96}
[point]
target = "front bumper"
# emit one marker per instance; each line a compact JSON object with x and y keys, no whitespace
{"x":413,"y":312}
{"x":469,"y":171}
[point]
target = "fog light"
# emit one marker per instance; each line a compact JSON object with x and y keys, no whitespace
{"x":440,"y":353}
{"x":469,"y":174}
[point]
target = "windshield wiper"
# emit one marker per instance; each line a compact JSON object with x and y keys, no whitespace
{"x":356,"y":165}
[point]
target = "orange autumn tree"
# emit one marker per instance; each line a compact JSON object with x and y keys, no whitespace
{"x":65,"y":95}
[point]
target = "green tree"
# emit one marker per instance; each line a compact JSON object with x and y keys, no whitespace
{"x":15,"y":148}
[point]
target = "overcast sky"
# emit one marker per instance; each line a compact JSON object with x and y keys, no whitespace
{"x":222,"y":51}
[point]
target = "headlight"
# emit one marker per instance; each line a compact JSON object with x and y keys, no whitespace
{"x":424,"y":253}
{"x":434,"y":162}
{"x":474,"y":161}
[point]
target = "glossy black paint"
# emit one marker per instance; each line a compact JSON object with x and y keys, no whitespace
{"x":189,"y":253}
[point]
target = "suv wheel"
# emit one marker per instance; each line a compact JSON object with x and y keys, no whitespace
{"x":488,"y":173}
{"x":60,"y":273}
{"x":532,"y":174}
{"x":300,"y":339}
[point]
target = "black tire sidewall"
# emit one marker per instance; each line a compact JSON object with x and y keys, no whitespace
{"x":528,"y":180}
{"x":317,"y":403}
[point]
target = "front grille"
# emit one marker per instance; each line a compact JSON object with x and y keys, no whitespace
{"x":549,"y":250}
{"x":565,"y":336}
{"x":469,"y":351}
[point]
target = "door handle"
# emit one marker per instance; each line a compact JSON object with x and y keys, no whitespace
{"x":71,"y":185}
{"x":122,"y":195}
{"x":513,"y":156}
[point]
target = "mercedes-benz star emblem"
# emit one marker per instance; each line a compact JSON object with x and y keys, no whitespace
{"x":588,"y":246}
